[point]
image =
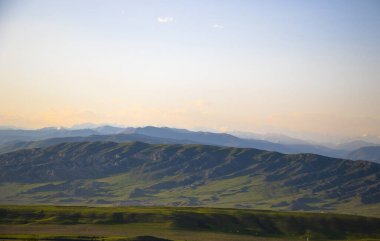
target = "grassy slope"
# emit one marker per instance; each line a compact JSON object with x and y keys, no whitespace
{"x":183,"y":223}
{"x":237,"y":192}
{"x":187,"y":175}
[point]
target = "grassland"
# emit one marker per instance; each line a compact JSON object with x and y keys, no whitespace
{"x":140,"y":174}
{"x":178,"y":223}
{"x":235,"y":192}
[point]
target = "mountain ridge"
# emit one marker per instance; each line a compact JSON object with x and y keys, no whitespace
{"x":181,"y":136}
{"x":371,"y":153}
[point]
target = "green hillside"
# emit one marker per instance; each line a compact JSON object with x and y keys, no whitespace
{"x":108,"y":173}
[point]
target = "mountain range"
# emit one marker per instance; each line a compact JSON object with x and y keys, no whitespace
{"x":370,"y":153}
{"x":15,"y":139}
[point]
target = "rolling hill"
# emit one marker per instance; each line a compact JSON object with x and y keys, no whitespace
{"x":119,"y":138}
{"x":136,"y":173}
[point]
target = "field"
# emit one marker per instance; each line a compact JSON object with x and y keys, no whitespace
{"x":173,"y":223}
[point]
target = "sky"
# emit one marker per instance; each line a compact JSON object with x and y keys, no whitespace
{"x":305,"y":68}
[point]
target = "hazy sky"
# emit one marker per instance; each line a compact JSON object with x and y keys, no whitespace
{"x":262,"y":66}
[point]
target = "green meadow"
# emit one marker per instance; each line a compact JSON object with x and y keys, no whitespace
{"x":179,"y":223}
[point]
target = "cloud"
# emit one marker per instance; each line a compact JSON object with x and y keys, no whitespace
{"x":218,"y":26}
{"x":165,"y":19}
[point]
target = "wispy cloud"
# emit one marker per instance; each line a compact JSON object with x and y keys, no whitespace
{"x":165,"y":19}
{"x":218,"y":26}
